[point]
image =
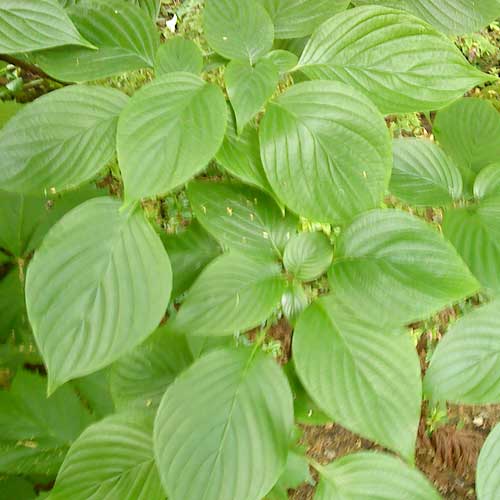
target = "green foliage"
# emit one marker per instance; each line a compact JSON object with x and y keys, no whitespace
{"x":243,"y":186}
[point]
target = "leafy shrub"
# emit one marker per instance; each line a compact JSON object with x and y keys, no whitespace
{"x":289,"y":220}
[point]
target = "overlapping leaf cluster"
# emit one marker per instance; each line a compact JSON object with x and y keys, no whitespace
{"x":304,"y":161}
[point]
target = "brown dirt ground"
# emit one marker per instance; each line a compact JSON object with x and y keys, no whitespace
{"x":448,"y":457}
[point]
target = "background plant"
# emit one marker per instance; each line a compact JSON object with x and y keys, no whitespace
{"x":155,"y":228}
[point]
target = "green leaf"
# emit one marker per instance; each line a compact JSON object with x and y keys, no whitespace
{"x":36,"y":431}
{"x":242,"y":218}
{"x":189,"y":253}
{"x":308,"y":255}
{"x":249,"y":88}
{"x":111,"y":459}
{"x":124,"y":35}
{"x":238,"y":30}
{"x":178,"y":54}
{"x":13,"y":320}
{"x":454,"y":17}
{"x":97,"y":287}
{"x":35,"y":24}
{"x":469,"y":131}
{"x":223,"y":428}
{"x":373,"y":475}
{"x":7,"y":110}
{"x":397,"y":60}
{"x":394,"y":268}
{"x":60,"y":140}
{"x":140,"y":378}
{"x":487,"y":182}
{"x":488,"y":467}
{"x":27,"y":218}
{"x":423,"y":174}
{"x":240,"y":155}
{"x":94,"y":389}
{"x":326,"y":151}
{"x":234,"y":293}
{"x":294,"y":301}
{"x":364,"y":377}
{"x":284,"y":60}
{"x":475,"y":233}
{"x":464,"y":366}
{"x":169,"y":132}
{"x":298,"y":18}
{"x":151,"y":7}
{"x":17,"y":488}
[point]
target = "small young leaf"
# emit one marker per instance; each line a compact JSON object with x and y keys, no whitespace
{"x":168,"y":132}
{"x":111,"y":459}
{"x":36,"y":431}
{"x":178,"y":54}
{"x":34,"y":25}
{"x":223,"y":428}
{"x":373,"y":475}
{"x":454,"y":17}
{"x":151,"y":7}
{"x":189,"y":253}
{"x":298,"y":18}
{"x":139,"y":379}
{"x":124,"y":35}
{"x":242,"y":218}
{"x":249,"y":88}
{"x":488,"y":467}
{"x":364,"y":378}
{"x":394,"y":268}
{"x":487,"y":183}
{"x":423,"y":174}
{"x":397,"y":60}
{"x":16,"y":487}
{"x":469,"y":131}
{"x":94,"y":389}
{"x":240,"y":155}
{"x":60,"y":140}
{"x":238,"y":30}
{"x":308,"y":255}
{"x":475,"y":233}
{"x":234,"y":293}
{"x":326,"y":151}
{"x":294,"y":301}
{"x":97,"y":287}
{"x":464,"y":367}
{"x":282,"y":59}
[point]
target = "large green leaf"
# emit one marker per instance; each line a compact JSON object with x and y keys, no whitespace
{"x":151,"y":7}
{"x":488,"y":467}
{"x":395,"y":268}
{"x":111,"y":459}
{"x":308,"y":255}
{"x":140,"y":378}
{"x":464,"y":367}
{"x":423,"y":174}
{"x":238,"y":30}
{"x":178,"y":54}
{"x":36,"y":431}
{"x":326,"y":151}
{"x":60,"y":140}
{"x":469,"y":131}
{"x":189,"y":252}
{"x":124,"y":35}
{"x":242,"y":218}
{"x":223,"y":428}
{"x":249,"y":87}
{"x":298,"y":18}
{"x":475,"y":230}
{"x":240,"y":154}
{"x":234,"y":293}
{"x":13,"y":318}
{"x":97,"y":287}
{"x":7,"y":110}
{"x":456,"y":17}
{"x":27,"y":218}
{"x":364,"y":378}
{"x":372,"y":475}
{"x":35,"y":24}
{"x":399,"y":61}
{"x":169,"y":131}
